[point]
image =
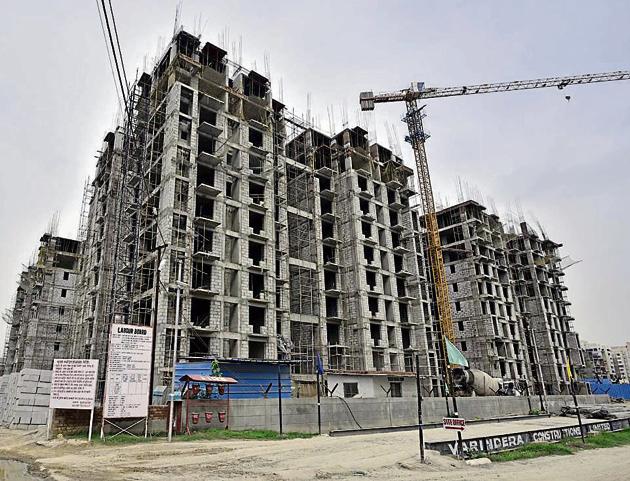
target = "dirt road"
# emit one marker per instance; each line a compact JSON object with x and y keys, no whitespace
{"x":375,"y":456}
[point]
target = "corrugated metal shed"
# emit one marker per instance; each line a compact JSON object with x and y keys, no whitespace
{"x":256,"y":379}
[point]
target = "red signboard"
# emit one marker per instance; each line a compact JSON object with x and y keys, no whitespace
{"x":458,"y":424}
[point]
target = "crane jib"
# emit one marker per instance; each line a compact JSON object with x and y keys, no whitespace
{"x":368,"y":99}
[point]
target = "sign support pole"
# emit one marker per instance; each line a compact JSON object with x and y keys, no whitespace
{"x":175,"y":350}
{"x":319,"y":404}
{"x":419,"y":395}
{"x":91,"y":424}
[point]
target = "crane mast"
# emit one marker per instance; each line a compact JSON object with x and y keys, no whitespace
{"x":417,"y":137}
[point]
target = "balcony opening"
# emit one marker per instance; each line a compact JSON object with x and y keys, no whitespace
{"x":389,"y":311}
{"x":186,"y":101}
{"x":256,"y":137}
{"x":234,"y":159}
{"x":257,"y":285}
{"x":398,"y":263}
{"x":256,"y":253}
{"x":257,"y":319}
{"x":395,"y":387}
{"x":184,"y":129}
{"x":230,"y":348}
{"x":257,"y":164}
{"x":213,"y":57}
{"x":395,"y":240}
{"x":363,"y":183}
{"x":393,"y":218}
{"x":257,"y":193}
{"x":366,"y":229}
{"x":232,"y":249}
{"x":391,"y":336}
{"x":391,"y":196}
{"x":330,"y":280}
{"x":368,"y":254}
{"x":256,"y":85}
{"x":401,"y":287}
{"x":207,"y":115}
{"x":378,"y":359}
{"x":256,"y":350}
{"x":232,"y":218}
{"x":387,"y":285}
{"x":204,"y":208}
{"x":199,"y":312}
{"x":231,"y":285}
{"x":206,"y":144}
{"x":370,"y":279}
{"x":332,"y":307}
{"x":231,"y":188}
{"x":373,"y":305}
{"x":256,"y":222}
{"x":324,"y":184}
{"x":205,"y":175}
{"x":203,"y":239}
{"x":406,"y":337}
{"x":199,"y":346}
{"x":326,"y":206}
{"x":230,"y":316}
{"x":332,"y":333}
{"x":364,"y":205}
{"x":202,"y":276}
{"x":328,"y":230}
{"x":403,"y":310}
{"x":375,"y":332}
{"x":329,"y":254}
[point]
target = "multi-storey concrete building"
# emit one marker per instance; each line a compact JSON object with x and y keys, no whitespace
{"x":548,"y":325}
{"x":486,"y":319}
{"x":292,"y":243}
{"x":41,"y":319}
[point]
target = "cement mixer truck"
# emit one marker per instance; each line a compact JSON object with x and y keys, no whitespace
{"x":473,"y":382}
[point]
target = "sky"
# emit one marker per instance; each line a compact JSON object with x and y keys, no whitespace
{"x":563,"y":164}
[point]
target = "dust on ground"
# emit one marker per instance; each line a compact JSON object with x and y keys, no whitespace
{"x":371,"y":456}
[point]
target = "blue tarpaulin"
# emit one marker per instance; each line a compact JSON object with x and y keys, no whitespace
{"x":605,"y":386}
{"x":254,"y":377}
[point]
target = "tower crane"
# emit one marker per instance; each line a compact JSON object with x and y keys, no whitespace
{"x":417,"y":137}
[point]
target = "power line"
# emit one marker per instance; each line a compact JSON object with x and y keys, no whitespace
{"x":109,"y":56}
{"x":122,"y":62}
{"x":111,"y":42}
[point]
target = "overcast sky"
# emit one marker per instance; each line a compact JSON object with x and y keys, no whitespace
{"x":564,"y":162}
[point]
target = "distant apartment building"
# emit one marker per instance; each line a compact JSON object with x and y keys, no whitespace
{"x":41,"y":327}
{"x":621,"y":358}
{"x":600,"y":362}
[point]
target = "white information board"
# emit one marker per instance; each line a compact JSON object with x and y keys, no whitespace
{"x":73,"y":383}
{"x":128,"y":372}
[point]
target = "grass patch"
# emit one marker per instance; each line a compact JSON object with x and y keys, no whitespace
{"x":204,"y":435}
{"x":566,"y":446}
{"x":534,"y":450}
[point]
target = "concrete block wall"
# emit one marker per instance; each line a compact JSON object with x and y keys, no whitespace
{"x":300,"y":415}
{"x":24,"y":398}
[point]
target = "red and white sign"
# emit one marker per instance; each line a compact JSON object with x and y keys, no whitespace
{"x":73,"y":383}
{"x":458,"y":424}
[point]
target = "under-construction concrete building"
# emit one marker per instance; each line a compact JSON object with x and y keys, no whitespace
{"x":550,"y":337}
{"x":487,"y":322}
{"x":292,"y":243}
{"x":41,"y":327}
